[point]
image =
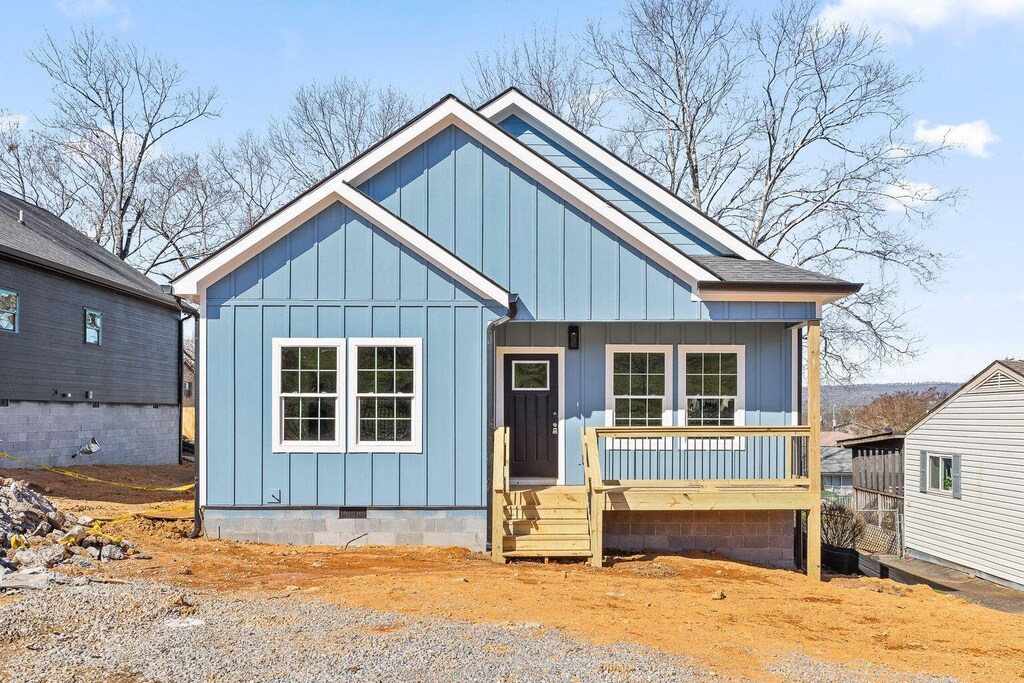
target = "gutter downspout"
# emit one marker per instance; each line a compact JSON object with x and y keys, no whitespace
{"x":513,"y":310}
{"x":189,"y":311}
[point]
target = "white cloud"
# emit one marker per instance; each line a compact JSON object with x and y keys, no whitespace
{"x":898,"y":19}
{"x":973,"y":137}
{"x":907,"y":194}
{"x":85,"y":8}
{"x":9,"y":121}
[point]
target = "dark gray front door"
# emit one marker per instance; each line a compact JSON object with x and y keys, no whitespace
{"x":531,"y":413}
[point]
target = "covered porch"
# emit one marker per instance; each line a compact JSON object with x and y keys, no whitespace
{"x":645,"y":468}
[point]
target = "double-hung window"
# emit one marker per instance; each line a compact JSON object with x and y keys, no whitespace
{"x":940,"y":473}
{"x":639,"y":385}
{"x":385,"y":395}
{"x":713,"y":385}
{"x":8,"y":311}
{"x":307,"y":397}
{"x":93,"y":331}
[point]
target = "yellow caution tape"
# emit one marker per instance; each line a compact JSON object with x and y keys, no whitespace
{"x":76,"y":475}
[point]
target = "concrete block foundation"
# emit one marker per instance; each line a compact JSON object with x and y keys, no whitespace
{"x":413,"y":527}
{"x":760,"y":536}
{"x":49,"y":432}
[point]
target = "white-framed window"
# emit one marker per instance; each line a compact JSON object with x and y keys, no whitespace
{"x":530,"y":375}
{"x":8,"y":311}
{"x":93,"y":327}
{"x":940,"y":473}
{"x":712,"y":382}
{"x":307,"y":401}
{"x":385,"y":395}
{"x":638,"y":385}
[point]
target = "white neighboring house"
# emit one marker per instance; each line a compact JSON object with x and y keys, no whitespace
{"x":965,"y":478}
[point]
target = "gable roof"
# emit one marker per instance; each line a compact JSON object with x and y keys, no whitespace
{"x":450,"y":111}
{"x":1015,"y":369}
{"x":45,"y":240}
{"x":447,"y":112}
{"x":516,"y":101}
{"x":736,"y":273}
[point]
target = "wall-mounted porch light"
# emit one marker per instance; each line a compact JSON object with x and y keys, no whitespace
{"x":574,"y":337}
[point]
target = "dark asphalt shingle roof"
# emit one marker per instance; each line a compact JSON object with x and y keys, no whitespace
{"x":740,"y":271}
{"x":836,"y":460}
{"x":46,"y":239}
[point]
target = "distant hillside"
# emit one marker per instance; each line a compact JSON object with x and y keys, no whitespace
{"x":852,"y":397}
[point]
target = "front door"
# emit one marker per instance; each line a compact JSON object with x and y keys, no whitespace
{"x":531,"y":413}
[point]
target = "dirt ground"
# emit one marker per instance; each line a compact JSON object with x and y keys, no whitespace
{"x":663,"y":601}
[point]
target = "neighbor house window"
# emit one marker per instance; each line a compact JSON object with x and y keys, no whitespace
{"x":940,"y":472}
{"x":713,"y":385}
{"x":93,"y":327}
{"x":639,"y":385}
{"x":385,"y":392}
{"x":307,"y":410}
{"x":8,"y":311}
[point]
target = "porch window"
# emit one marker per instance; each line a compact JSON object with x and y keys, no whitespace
{"x":639,"y":385}
{"x":93,"y":327}
{"x":940,"y":472}
{"x":8,"y":311}
{"x":385,"y":395}
{"x":713,"y":382}
{"x":307,"y":411}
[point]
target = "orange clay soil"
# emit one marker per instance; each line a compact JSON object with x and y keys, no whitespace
{"x":660,"y":601}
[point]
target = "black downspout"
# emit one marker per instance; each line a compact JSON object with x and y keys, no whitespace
{"x":197,"y":517}
{"x":513,"y":310}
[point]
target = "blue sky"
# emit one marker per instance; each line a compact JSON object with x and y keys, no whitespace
{"x":970,"y":55}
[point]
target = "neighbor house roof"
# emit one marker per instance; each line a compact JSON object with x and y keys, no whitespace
{"x":836,"y":460}
{"x":1013,"y":366}
{"x":34,"y":235}
{"x":871,"y":439}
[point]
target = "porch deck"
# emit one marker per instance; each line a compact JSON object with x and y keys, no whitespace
{"x":777,"y":471}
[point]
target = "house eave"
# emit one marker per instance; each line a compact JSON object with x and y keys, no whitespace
{"x":717,"y":290}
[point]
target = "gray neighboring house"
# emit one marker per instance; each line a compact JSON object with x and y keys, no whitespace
{"x":836,"y":464}
{"x":965,"y":478}
{"x":89,"y":349}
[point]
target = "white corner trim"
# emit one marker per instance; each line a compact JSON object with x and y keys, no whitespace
{"x":201,"y":463}
{"x":515,"y":102}
{"x":499,"y":399}
{"x":278,"y":444}
{"x":352,"y":404}
{"x":447,"y":113}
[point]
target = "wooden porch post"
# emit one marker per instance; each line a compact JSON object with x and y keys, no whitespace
{"x":814,"y":447}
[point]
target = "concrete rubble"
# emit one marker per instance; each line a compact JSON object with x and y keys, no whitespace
{"x":36,"y":536}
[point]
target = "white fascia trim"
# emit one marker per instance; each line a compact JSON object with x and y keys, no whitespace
{"x":515,"y":102}
{"x":278,"y":444}
{"x":448,"y":112}
{"x":770,"y":296}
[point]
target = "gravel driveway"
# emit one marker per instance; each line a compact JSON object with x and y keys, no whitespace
{"x":151,"y":632}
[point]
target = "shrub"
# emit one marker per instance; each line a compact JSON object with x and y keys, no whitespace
{"x":840,"y":526}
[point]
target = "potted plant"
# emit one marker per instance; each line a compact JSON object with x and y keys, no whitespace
{"x":841,"y":529}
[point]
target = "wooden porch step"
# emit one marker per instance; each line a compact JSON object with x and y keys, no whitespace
{"x":546,"y":543}
{"x":546,"y":553}
{"x":541,"y":527}
{"x":513,"y":512}
{"x":547,"y":496}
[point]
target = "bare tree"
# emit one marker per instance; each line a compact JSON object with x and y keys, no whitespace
{"x":900,"y":410}
{"x":254,"y":176}
{"x":330,"y":123}
{"x":545,"y":67}
{"x":792,"y":133}
{"x":30,"y":167}
{"x":114,"y":107}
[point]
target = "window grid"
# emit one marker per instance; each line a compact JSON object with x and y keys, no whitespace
{"x":309,"y":393}
{"x":93,"y":327}
{"x":712,"y":388}
{"x":638,"y":388}
{"x":385,"y":389}
{"x":8,"y":311}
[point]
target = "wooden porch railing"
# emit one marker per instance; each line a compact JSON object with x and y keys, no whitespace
{"x":498,"y":489}
{"x":680,"y":461}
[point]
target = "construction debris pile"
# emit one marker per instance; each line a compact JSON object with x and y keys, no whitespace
{"x":35,"y":534}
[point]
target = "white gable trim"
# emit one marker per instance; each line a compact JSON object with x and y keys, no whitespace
{"x":515,"y":102}
{"x":971,"y":384}
{"x":448,"y":112}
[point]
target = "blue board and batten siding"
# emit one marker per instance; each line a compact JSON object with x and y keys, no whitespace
{"x":338,"y":276}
